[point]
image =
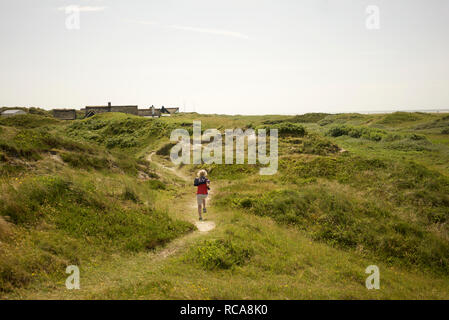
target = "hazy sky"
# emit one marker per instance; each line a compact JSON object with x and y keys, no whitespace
{"x":232,"y":57}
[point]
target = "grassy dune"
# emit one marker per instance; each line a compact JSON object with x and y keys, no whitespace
{"x":352,"y":190}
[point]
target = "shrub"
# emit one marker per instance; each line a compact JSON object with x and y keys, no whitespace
{"x":18,"y":267}
{"x":404,"y":183}
{"x":220,"y":254}
{"x":309,"y":117}
{"x":29,"y":144}
{"x":442,"y":122}
{"x":84,"y":161}
{"x":311,"y":144}
{"x":5,"y":228}
{"x":121,"y":142}
{"x":25,"y":205}
{"x":287,"y":129}
{"x":156,"y":185}
{"x":357,"y":132}
{"x":115,"y":130}
{"x":341,"y":118}
{"x":28,"y":121}
{"x":129,"y":229}
{"x":13,"y":150}
{"x":231,"y":172}
{"x":410,"y":145}
{"x":399,"y":117}
{"x":165,"y":149}
{"x":130,"y":194}
{"x":347,"y":222}
{"x":326,"y":121}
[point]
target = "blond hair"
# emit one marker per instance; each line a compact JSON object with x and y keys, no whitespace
{"x":202,"y":173}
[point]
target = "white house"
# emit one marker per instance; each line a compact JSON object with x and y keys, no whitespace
{"x":12,"y":112}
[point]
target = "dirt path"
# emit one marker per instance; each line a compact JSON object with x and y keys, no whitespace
{"x":202,"y":226}
{"x":177,"y":173}
{"x":120,"y":270}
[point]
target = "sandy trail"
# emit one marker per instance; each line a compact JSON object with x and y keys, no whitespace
{"x":190,"y":212}
{"x":112,"y":275}
{"x":202,"y":226}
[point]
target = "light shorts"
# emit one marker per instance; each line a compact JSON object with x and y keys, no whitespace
{"x":200,"y":197}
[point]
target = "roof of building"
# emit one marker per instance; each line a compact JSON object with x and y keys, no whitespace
{"x":169,"y":110}
{"x":13,"y":111}
{"x":111,"y":106}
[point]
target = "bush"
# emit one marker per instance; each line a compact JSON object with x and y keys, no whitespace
{"x":344,"y":221}
{"x":115,"y":130}
{"x":156,"y":185}
{"x":311,"y":144}
{"x":410,"y":145}
{"x":24,"y":205}
{"x":357,"y":132}
{"x":121,"y":142}
{"x":405,"y":183}
{"x":341,"y":118}
{"x":399,"y":117}
{"x":220,"y":254}
{"x":127,"y":229}
{"x":165,"y":149}
{"x":5,"y":228}
{"x":84,"y":161}
{"x":309,"y":117}
{"x":231,"y":172}
{"x":442,"y":122}
{"x":287,"y":129}
{"x":130,"y":194}
{"x":81,"y":233}
{"x":28,"y":121}
{"x":29,"y":144}
{"x":19,"y":267}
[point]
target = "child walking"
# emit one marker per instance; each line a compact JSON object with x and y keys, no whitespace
{"x":202,"y":184}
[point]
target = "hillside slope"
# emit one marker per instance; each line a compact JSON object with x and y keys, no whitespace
{"x":352,"y":191}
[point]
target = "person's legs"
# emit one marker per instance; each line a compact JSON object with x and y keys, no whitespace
{"x":204,"y":204}
{"x":198,"y":200}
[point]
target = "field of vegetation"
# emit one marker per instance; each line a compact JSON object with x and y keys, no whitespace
{"x":352,"y":190}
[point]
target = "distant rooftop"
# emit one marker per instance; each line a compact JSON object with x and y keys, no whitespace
{"x":12,"y":111}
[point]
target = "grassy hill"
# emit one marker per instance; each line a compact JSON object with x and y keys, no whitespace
{"x":352,"y":190}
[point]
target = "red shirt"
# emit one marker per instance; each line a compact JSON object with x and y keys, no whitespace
{"x":202,"y":188}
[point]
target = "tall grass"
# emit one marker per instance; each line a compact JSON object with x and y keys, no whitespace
{"x":345,"y":221}
{"x":79,"y":210}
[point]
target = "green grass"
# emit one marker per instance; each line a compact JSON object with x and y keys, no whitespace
{"x":219,"y":254}
{"x":286,"y":129}
{"x":401,"y":117}
{"x":28,"y":121}
{"x":352,"y":190}
{"x":88,"y":200}
{"x":348,"y":222}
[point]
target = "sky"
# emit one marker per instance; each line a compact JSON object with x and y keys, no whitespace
{"x":226,"y":57}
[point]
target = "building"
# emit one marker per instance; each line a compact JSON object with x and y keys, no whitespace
{"x":12,"y":112}
{"x":166,"y":112}
{"x":64,"y":114}
{"x":152,"y":112}
{"x":93,"y":110}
